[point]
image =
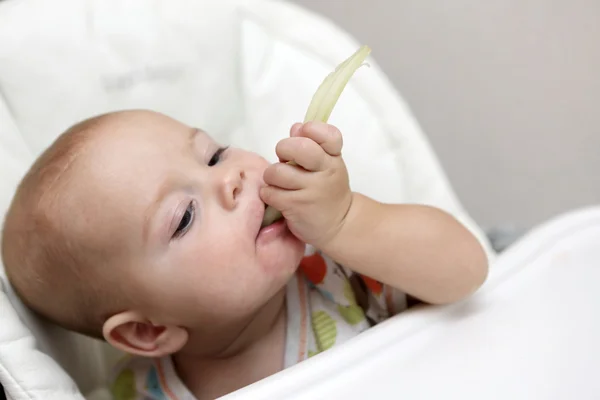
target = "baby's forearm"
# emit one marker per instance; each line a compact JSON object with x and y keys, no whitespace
{"x":420,"y":250}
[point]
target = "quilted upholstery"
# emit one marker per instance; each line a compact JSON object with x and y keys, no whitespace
{"x":244,"y":70}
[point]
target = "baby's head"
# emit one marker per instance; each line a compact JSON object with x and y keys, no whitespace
{"x":139,"y":229}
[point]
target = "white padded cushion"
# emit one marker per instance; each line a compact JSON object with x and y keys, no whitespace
{"x":26,"y":372}
{"x":244,"y":70}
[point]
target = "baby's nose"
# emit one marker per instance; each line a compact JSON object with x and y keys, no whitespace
{"x":232,"y":187}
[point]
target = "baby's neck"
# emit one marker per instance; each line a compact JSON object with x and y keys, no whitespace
{"x":256,"y":354}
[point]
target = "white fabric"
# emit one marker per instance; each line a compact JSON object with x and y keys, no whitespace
{"x":244,"y":70}
{"x":26,"y":372}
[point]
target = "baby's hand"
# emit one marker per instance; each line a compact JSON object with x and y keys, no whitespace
{"x":314,"y":196}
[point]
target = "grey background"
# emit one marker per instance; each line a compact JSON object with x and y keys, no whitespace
{"x":507,"y":91}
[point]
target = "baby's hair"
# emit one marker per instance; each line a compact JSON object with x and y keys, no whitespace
{"x":54,"y":272}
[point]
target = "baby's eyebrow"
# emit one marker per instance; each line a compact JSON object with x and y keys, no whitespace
{"x":193,"y":134}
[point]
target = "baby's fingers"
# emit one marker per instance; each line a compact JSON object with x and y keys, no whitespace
{"x":303,"y":151}
{"x":285,"y":176}
{"x":277,"y":197}
{"x":327,"y":136}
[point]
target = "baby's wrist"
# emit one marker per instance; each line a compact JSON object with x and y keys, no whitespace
{"x":339,"y":238}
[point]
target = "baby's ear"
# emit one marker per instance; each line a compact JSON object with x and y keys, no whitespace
{"x":133,"y":333}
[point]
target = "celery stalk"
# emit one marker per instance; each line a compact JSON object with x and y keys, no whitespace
{"x":323,"y":102}
{"x":329,"y":91}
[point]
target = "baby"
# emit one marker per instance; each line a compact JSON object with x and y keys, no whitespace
{"x":140,"y":230}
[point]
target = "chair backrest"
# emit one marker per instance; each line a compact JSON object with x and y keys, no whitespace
{"x":244,"y":70}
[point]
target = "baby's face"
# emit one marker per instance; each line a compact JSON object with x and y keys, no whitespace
{"x":186,"y":213}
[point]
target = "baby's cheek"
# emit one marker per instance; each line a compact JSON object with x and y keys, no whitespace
{"x":257,"y":165}
{"x":241,"y":296}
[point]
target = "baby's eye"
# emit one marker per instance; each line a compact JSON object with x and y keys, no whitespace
{"x":186,"y":221}
{"x":216,"y":157}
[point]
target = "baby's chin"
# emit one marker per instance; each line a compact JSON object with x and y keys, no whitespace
{"x":280,"y":259}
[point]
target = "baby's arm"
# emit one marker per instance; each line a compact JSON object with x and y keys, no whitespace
{"x":420,"y":250}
